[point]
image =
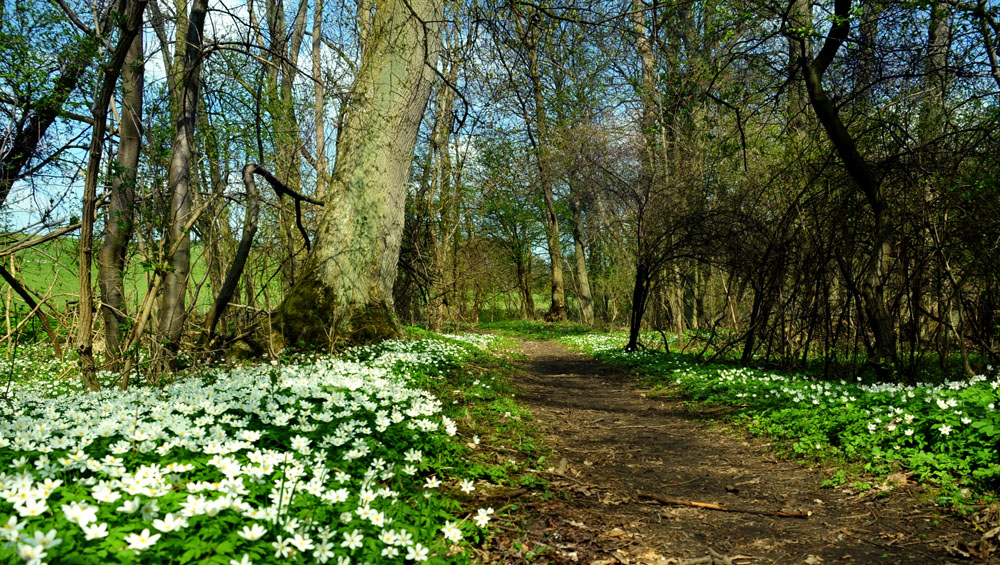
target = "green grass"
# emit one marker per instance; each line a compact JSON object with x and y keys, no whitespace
{"x":535,"y":330}
{"x":50,"y":270}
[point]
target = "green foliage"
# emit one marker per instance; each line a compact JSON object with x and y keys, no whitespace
{"x":312,"y":459}
{"x":945,"y":433}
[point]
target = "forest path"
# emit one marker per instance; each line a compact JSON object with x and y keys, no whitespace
{"x":611,"y":445}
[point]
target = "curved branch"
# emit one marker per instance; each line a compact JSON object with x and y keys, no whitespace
{"x":242,"y":251}
{"x":282,"y":189}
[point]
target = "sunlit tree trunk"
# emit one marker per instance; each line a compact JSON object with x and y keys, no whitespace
{"x":529,"y":32}
{"x":319,"y":103}
{"x":438,"y":197}
{"x":121,"y":206}
{"x":131,"y":24}
{"x":284,"y":48}
{"x":172,"y":309}
{"x":345,"y":291}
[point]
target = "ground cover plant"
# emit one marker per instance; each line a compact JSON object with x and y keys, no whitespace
{"x":947,"y":433}
{"x":534,"y":330}
{"x":314,"y":460}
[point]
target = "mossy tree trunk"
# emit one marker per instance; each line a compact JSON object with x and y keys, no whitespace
{"x":344,"y":292}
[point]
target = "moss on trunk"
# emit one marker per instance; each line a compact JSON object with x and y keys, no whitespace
{"x":311,"y":317}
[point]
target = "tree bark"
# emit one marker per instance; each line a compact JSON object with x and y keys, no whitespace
{"x":242,"y":252}
{"x":652,"y":167}
{"x":800,"y":47}
{"x":284,"y":51}
{"x":85,"y":325}
{"x":34,"y":308}
{"x":439,"y":197}
{"x":319,"y":104}
{"x":345,"y":291}
{"x":172,"y":311}
{"x":583,"y":279}
{"x":523,"y":268}
{"x":121,"y":208}
{"x":530,"y":35}
{"x":640,"y":295}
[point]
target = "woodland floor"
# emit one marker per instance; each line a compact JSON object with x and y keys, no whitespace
{"x":611,"y":445}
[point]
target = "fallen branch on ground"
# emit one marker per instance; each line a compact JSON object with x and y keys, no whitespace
{"x":713,"y":558}
{"x":711,"y":506}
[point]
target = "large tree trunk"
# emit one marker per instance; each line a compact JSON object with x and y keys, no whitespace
{"x":121,"y":207}
{"x":172,"y":309}
{"x":345,"y":290}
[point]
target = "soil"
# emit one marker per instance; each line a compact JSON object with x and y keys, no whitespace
{"x":613,"y":446}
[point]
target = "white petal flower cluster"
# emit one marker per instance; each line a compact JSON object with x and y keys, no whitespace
{"x":312,"y":460}
{"x":914,"y":423}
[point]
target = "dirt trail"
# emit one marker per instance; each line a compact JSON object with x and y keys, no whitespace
{"x":612,"y":444}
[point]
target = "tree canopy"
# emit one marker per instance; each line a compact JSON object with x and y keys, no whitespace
{"x":804,"y":183}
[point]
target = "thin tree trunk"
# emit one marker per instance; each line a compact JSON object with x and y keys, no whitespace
{"x":583,"y":279}
{"x":85,"y":325}
{"x":528,"y":29}
{"x":872,"y":284}
{"x":652,"y":165}
{"x":440,"y":190}
{"x":284,"y":49}
{"x":936,"y":65}
{"x":120,"y":213}
{"x":319,"y":104}
{"x":640,"y":294}
{"x":524,"y":286}
{"x":172,"y":309}
{"x":799,"y":48}
{"x":33,"y":307}
{"x":242,"y":252}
